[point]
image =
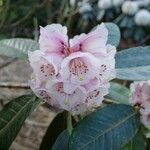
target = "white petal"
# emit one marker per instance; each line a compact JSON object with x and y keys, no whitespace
{"x":95,"y":97}
{"x":41,"y":92}
{"x":79,"y":67}
{"x":92,"y":84}
{"x":44,"y":66}
{"x":53,"y":38}
{"x":69,"y":87}
{"x":93,"y":42}
{"x":65,"y":100}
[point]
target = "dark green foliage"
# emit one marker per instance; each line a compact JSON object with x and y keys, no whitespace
{"x":12,"y":117}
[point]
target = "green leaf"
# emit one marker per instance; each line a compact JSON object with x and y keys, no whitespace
{"x":133,"y":63}
{"x":111,"y":127}
{"x":148,"y":144}
{"x":17,"y":47}
{"x":13,"y":116}
{"x":62,"y":141}
{"x":118,"y":93}
{"x":55,"y":128}
{"x":137,"y":143}
{"x":113,"y":34}
{"x":128,"y":146}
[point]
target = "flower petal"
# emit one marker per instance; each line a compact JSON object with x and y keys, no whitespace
{"x":140,"y":94}
{"x":95,"y":97}
{"x":107,"y":67}
{"x":136,"y":93}
{"x":145,"y":117}
{"x":79,"y":67}
{"x":44,"y":66}
{"x":66,"y":101}
{"x":53,"y":38}
{"x":93,"y":42}
{"x":69,"y":88}
{"x":91,"y":85}
{"x":41,"y":92}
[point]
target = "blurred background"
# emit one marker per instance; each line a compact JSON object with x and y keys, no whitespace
{"x":22,"y":18}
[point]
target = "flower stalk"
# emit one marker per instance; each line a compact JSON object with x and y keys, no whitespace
{"x":69,"y":123}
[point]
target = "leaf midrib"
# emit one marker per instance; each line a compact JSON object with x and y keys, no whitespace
{"x":109,"y":129}
{"x":1,"y":130}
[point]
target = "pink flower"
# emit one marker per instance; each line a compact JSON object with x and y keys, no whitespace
{"x":79,"y":67}
{"x":72,"y":74}
{"x":140,"y":95}
{"x":44,"y":66}
{"x":145,"y":117}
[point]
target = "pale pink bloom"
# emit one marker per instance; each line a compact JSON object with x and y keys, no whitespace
{"x":136,"y":93}
{"x":71,"y":101}
{"x":145,"y":117}
{"x":140,"y":93}
{"x":95,"y":97}
{"x":79,"y":67}
{"x":44,"y":66}
{"x":78,"y":99}
{"x":72,"y":74}
{"x":93,"y":42}
{"x":54,"y":38}
{"x":107,"y":71}
{"x":40,"y":90}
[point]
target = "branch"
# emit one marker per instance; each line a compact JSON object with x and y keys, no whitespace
{"x":29,"y":15}
{"x":14,"y":85}
{"x":34,"y":123}
{"x":109,"y":101}
{"x":5,"y":13}
{"x":7,"y":62}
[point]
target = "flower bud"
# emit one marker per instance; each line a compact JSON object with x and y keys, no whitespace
{"x":72,"y":2}
{"x":117,"y":3}
{"x":85,"y":7}
{"x":129,"y":7}
{"x":145,"y":117}
{"x":142,"y":18}
{"x":104,"y":4}
{"x":143,"y":3}
{"x":140,"y":95}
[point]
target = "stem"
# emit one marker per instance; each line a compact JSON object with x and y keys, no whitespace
{"x":80,"y":117}
{"x":5,"y":13}
{"x":14,"y":85}
{"x":7,"y":62}
{"x":116,"y":20}
{"x":32,"y":11}
{"x":69,"y":123}
{"x":35,"y":21}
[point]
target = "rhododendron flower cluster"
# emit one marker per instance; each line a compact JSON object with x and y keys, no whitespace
{"x":140,"y":95}
{"x":72,"y":74}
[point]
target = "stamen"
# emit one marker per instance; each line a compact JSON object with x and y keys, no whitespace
{"x":44,"y":95}
{"x":92,"y":96}
{"x":47,"y":70}
{"x":78,"y":67}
